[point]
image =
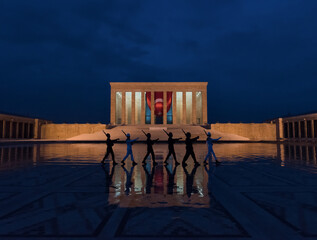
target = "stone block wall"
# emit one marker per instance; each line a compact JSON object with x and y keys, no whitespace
{"x":253,"y":131}
{"x":64,"y":131}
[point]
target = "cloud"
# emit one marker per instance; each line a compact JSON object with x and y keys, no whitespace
{"x":58,"y":54}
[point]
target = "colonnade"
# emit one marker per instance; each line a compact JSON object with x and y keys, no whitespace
{"x":301,"y":129}
{"x":14,"y":130}
{"x":179,"y":92}
{"x":18,"y":127}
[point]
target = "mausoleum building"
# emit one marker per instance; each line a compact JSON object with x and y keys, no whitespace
{"x":154,"y":103}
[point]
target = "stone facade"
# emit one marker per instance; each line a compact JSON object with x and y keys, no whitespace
{"x":183,"y":89}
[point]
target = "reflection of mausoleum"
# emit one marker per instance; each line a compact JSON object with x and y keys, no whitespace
{"x":135,"y":103}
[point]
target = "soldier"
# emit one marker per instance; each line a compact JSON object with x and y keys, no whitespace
{"x":149,"y":144}
{"x":110,"y":144}
{"x":171,"y":150}
{"x":210,"y":148}
{"x":129,"y":143}
{"x":189,"y":148}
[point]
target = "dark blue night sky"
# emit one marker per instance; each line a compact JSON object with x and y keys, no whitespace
{"x":57,"y":57}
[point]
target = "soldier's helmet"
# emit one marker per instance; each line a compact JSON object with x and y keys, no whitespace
{"x":108,"y":135}
{"x":170,"y":134}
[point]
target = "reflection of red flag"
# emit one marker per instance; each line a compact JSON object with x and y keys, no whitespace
{"x":158,"y":102}
{"x":159,"y":179}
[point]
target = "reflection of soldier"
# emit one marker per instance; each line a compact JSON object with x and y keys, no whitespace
{"x":171,"y":150}
{"x":108,"y":175}
{"x":149,"y":144}
{"x":189,"y":148}
{"x":149,"y":178}
{"x":210,"y":149}
{"x":210,"y":171}
{"x":171,"y":177}
{"x":129,"y":143}
{"x":128,"y":183}
{"x":110,"y":144}
{"x":190,"y":180}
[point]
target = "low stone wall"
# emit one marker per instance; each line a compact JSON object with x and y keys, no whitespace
{"x":64,"y":131}
{"x":253,"y":131}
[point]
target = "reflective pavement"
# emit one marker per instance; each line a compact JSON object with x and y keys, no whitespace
{"x":61,"y":191}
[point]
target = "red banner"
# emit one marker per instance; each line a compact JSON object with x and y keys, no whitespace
{"x":158,"y":102}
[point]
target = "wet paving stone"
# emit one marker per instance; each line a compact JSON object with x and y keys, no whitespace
{"x":61,"y":191}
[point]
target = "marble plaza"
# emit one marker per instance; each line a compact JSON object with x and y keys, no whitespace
{"x":61,"y":191}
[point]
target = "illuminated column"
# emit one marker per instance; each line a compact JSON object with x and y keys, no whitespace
{"x":26,"y":130}
{"x":20,"y":129}
{"x":142,"y":108}
{"x":174,"y":107}
{"x":17,"y":130}
{"x":123,"y":109}
{"x":299,"y":130}
{"x":312,"y":129}
{"x":305,"y":128}
{"x":290,"y":127}
{"x":133,"y":109}
{"x":152,"y":107}
{"x":184,"y":108}
{"x":279,"y":129}
{"x":293,"y":129}
{"x":4,"y":129}
{"x":23,"y":129}
{"x":11,"y":129}
{"x":2,"y":156}
{"x":29,"y":130}
{"x":112,"y":107}
{"x":35,"y":129}
{"x":194,"y":118}
{"x":204,"y":96}
{"x":164,"y":108}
